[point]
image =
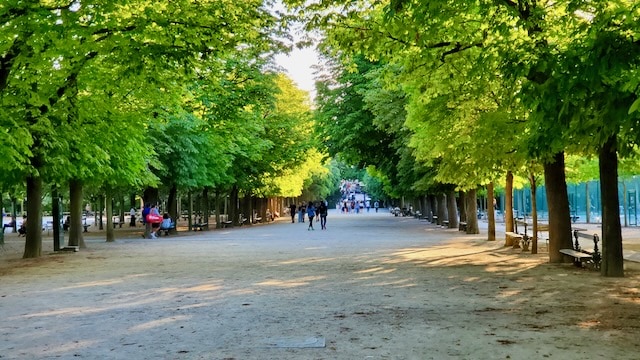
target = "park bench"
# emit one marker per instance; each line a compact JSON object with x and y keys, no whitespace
{"x":200,"y":226}
{"x":462,"y":226}
{"x":581,"y":255}
{"x":256,"y":218}
{"x":526,"y":239}
{"x":116,"y":222}
{"x":445,"y":223}
{"x":513,"y":239}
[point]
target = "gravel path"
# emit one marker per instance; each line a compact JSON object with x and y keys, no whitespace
{"x":372,"y":286}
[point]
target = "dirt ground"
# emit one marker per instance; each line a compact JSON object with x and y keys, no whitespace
{"x":372,"y":286}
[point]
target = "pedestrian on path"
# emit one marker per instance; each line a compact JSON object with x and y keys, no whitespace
{"x":292,"y":210}
{"x":301,"y":212}
{"x":311,"y":213}
{"x":322,"y":213}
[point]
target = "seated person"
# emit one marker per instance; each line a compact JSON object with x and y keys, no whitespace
{"x":166,"y":224}
{"x":67,"y":223}
{"x":23,"y":227}
{"x":10,"y":224}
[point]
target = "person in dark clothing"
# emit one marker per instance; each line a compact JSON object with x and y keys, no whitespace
{"x":311,"y":213}
{"x":292,"y":210}
{"x":322,"y":213}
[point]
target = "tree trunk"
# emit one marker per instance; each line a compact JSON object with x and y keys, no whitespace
{"x":33,"y":242}
{"x":217,"y":207}
{"x":462,"y":206}
{"x":586,"y":190}
{"x":612,"y":260}
{"x":491,"y":213}
{"x":233,"y":206}
{"x":471,"y":207}
{"x":246,"y":207}
{"x":452,"y":207}
{"x":205,"y":205}
{"x":508,"y":203}
{"x":172,"y":204}
{"x":558,"y":202}
{"x":442,"y":208}
{"x":75,"y":204}
{"x":109,"y":204}
{"x":534,"y":214}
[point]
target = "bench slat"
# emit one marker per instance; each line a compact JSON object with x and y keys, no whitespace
{"x":576,"y":254}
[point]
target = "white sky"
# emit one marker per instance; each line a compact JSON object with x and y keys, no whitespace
{"x":298,"y":65}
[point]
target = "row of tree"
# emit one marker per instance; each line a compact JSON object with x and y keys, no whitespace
{"x":440,"y":96}
{"x":121,"y":97}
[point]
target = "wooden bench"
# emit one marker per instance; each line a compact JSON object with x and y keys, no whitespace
{"x":116,"y":221}
{"x":462,"y":226}
{"x":199,"y":226}
{"x":445,"y":223}
{"x":257,"y":218}
{"x":513,"y":239}
{"x":581,"y":255}
{"x":542,"y":227}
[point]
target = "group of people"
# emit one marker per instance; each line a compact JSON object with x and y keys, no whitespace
{"x":352,"y":206}
{"x":151,"y":215}
{"x":319,"y":213}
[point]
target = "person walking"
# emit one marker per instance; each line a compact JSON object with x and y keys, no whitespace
{"x":376,"y":205}
{"x":322,"y":213}
{"x":292,"y":210}
{"x":301,"y":212}
{"x":311,"y":213}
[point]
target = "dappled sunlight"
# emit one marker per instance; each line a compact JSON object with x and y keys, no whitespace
{"x":104,"y":282}
{"x":203,"y":287}
{"x":70,"y":347}
{"x":291,"y":283}
{"x":401,"y":283}
{"x":509,"y":293}
{"x":588,"y":324}
{"x":494,"y":259}
{"x":306,"y":261}
{"x":157,"y":323}
{"x":369,"y":270}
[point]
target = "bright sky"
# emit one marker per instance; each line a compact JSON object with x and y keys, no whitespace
{"x":298,"y":66}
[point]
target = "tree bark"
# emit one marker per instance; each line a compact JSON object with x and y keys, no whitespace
{"x":508,"y":203}
{"x":442,"y":208}
{"x":452,"y":207}
{"x":612,"y":260}
{"x":491,"y":213}
{"x":472,"y":212}
{"x":558,"y":202}
{"x":33,"y":242}
{"x":109,"y":205}
{"x":75,"y":203}
{"x":462,"y":205}
{"x":216,"y":205}
{"x":233,"y":206}
{"x":534,"y":214}
{"x":172,"y":204}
